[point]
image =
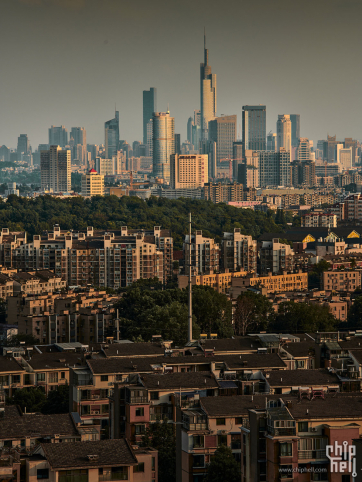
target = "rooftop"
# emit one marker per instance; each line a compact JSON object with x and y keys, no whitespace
{"x":297,"y":378}
{"x":115,"y":452}
{"x":176,"y":381}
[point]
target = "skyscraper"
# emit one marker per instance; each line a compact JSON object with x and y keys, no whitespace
{"x":55,"y":169}
{"x":58,"y":136}
{"x":207,"y":93}
{"x":237,"y":157}
{"x":295,"y":120}
{"x":254,"y":127}
{"x":271,"y":142}
{"x":177,"y":143}
{"x":222,"y":130}
{"x":274,"y":168}
{"x":79,"y":136}
{"x":149,"y":107}
{"x":304,"y":152}
{"x":284,"y":133}
{"x":111,"y":136}
{"x":163,"y":144}
{"x":23,"y":147}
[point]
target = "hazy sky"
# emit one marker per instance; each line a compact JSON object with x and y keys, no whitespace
{"x":69,"y":61}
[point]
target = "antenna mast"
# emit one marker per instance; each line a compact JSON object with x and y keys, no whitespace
{"x":189,"y":337}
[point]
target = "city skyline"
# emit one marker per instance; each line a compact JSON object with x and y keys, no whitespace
{"x":85,"y":40}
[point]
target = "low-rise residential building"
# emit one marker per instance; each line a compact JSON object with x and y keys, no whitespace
{"x":220,"y":282}
{"x":318,"y":219}
{"x":271,"y":283}
{"x":341,"y":280}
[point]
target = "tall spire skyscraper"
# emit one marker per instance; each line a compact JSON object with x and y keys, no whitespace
{"x":207,"y":93}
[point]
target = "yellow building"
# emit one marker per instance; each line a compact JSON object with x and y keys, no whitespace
{"x":92,"y":184}
{"x":188,"y":171}
{"x":272,"y":283}
{"x":220,"y":282}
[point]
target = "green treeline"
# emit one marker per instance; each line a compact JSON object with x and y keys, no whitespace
{"x":110,"y":212}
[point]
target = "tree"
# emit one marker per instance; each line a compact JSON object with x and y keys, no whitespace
{"x":253,"y":311}
{"x":30,"y":399}
{"x":161,"y":436}
{"x":303,"y":317}
{"x":223,"y":467}
{"x":57,"y":401}
{"x":314,"y":276}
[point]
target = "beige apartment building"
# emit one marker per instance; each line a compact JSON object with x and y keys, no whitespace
{"x":55,"y":169}
{"x":272,"y":283}
{"x":317,"y":219}
{"x":220,"y":282}
{"x":92,"y":184}
{"x":204,"y":253}
{"x":188,"y":171}
{"x":341,"y":280}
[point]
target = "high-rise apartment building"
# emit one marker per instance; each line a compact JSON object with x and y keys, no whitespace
{"x":271,"y":142}
{"x":248,"y":172}
{"x":204,"y":254}
{"x":303,"y":173}
{"x":111,"y":136}
{"x":284,"y":133}
{"x":238,"y":252}
{"x":254,"y":127}
{"x":149,"y":107}
{"x":304,"y":151}
{"x":79,"y":136}
{"x":55,"y":169}
{"x":295,"y":120}
{"x":150,"y":138}
{"x":207,"y":94}
{"x":58,"y":136}
{"x":188,"y":171}
{"x":163,"y":144}
{"x":222,"y":130}
{"x":274,"y":168}
{"x":23,"y":148}
{"x":329,"y":149}
{"x":92,"y":184}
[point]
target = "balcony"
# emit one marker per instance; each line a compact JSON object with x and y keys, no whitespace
{"x":311,"y":454}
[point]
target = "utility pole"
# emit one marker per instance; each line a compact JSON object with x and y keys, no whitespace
{"x":190,"y":286}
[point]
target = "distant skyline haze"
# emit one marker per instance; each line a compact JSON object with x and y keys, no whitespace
{"x":67,"y":62}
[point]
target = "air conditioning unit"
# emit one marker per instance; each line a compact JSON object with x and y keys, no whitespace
{"x":95,"y":412}
{"x":314,"y":429}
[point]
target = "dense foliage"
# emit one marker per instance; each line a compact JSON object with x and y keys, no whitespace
{"x":33,"y":399}
{"x":355,"y":314}
{"x":315,"y":276}
{"x":146,"y":310}
{"x":302,"y":317}
{"x":161,"y":436}
{"x":253,"y":312}
{"x":223,"y":467}
{"x":110,"y":212}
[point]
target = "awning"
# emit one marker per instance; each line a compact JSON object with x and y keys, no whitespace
{"x":228,"y":384}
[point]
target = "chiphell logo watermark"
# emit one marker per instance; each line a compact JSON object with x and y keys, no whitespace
{"x":342,"y":457}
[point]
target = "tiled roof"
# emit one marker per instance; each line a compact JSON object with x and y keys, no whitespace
{"x":340,"y":405}
{"x":232,"y":344}
{"x":175,"y":381}
{"x":133,"y":349}
{"x":236,"y":405}
{"x":114,"y":452}
{"x":297,"y":378}
{"x":49,"y":360}
{"x":301,"y":349}
{"x":17,"y":426}
{"x":9,"y":364}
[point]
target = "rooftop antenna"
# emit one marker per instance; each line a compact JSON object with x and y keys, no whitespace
{"x":168,"y":108}
{"x":190,"y":286}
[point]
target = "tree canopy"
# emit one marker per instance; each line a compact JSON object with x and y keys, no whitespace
{"x":33,"y":399}
{"x":144,"y":312}
{"x":253,"y":312}
{"x":35,"y":215}
{"x":161,"y":436}
{"x":223,"y":467}
{"x":303,"y":317}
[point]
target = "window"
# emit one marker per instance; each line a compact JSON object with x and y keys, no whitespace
{"x":221,"y":440}
{"x":140,"y":429}
{"x":198,"y":461}
{"x":40,"y":377}
{"x":62,"y":374}
{"x":42,"y":474}
{"x":238,"y":420}
{"x":286,"y":471}
{"x":140,"y":412}
{"x":154,"y":396}
{"x":285,"y":449}
{"x":302,"y":426}
{"x":153,"y":463}
{"x":198,"y":441}
{"x":220,"y":421}
{"x":104,"y":378}
{"x":139,"y":468}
